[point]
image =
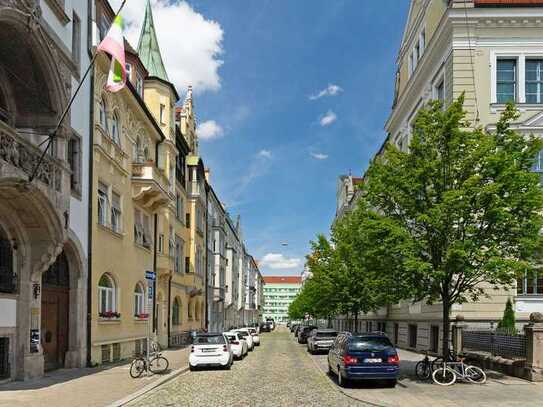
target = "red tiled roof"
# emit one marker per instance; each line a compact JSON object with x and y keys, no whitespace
{"x":507,"y":3}
{"x":358,"y":180}
{"x":282,"y":279}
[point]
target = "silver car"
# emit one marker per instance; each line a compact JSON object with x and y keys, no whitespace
{"x":320,"y":340}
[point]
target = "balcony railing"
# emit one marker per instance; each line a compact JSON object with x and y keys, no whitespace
{"x":20,"y":153}
{"x":151,"y":186}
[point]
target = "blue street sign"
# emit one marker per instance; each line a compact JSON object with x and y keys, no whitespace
{"x":150,"y":275}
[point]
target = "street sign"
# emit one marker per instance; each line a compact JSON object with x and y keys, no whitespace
{"x":150,"y":275}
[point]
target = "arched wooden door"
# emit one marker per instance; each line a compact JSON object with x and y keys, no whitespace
{"x":54,"y":313}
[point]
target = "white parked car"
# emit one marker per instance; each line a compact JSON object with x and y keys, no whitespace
{"x":210,"y":349}
{"x":238,"y":345}
{"x":247,"y":336}
{"x":254,"y":335}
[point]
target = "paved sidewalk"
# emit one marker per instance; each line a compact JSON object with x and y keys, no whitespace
{"x":84,"y":387}
{"x":500,"y":390}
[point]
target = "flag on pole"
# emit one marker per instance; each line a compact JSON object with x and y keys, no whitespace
{"x":113,"y":44}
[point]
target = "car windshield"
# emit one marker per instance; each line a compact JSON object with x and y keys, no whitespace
{"x":326,"y":334}
{"x":365,"y":344}
{"x":232,"y":337}
{"x":243,"y":334}
{"x":209,"y":340}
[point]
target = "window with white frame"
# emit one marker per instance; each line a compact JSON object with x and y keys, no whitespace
{"x":534,"y":80}
{"x":538,"y":162}
{"x":138,"y":227}
{"x":103,"y":205}
{"x":116,"y":218}
{"x":106,"y":295}
{"x":146,"y":231}
{"x":531,"y":283}
{"x":115,"y":129}
{"x":506,"y":80}
{"x":139,"y":300}
{"x":139,"y":85}
{"x":439,"y":90}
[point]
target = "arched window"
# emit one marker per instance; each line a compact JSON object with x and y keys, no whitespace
{"x":103,"y":114}
{"x":115,"y":129}
{"x":139,"y":300}
{"x":106,"y":297}
{"x":138,"y":150}
{"x":7,"y":277}
{"x":176,"y":312}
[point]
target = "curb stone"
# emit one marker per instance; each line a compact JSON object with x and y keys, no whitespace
{"x":149,"y":387}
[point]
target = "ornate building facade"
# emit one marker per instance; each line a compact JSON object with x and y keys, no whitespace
{"x":44,"y":50}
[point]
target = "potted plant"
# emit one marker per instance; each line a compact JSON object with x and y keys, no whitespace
{"x":109,"y":314}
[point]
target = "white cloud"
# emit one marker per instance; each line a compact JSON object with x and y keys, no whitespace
{"x":329,"y":118}
{"x":209,"y":130}
{"x":331,"y":90}
{"x":265,"y":154}
{"x":190,"y":44}
{"x":277,"y":261}
{"x":319,"y":156}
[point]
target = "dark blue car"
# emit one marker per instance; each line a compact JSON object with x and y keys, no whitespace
{"x":355,"y":356}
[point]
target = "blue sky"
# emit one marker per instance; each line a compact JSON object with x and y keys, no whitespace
{"x":267,"y":58}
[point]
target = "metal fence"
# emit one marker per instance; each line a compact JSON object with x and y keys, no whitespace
{"x":495,"y":343}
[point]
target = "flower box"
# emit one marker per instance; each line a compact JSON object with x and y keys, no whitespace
{"x":142,"y":316}
{"x":109,"y":315}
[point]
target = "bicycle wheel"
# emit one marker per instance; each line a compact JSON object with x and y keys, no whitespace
{"x":444,"y":376}
{"x":422,"y":370}
{"x":475,"y":374}
{"x":159,"y":364}
{"x":136,"y":368}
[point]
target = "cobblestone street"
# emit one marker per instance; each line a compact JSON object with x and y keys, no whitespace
{"x":278,"y":373}
{"x":281,"y":373}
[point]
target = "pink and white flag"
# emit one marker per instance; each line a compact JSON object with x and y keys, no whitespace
{"x":113,"y":44}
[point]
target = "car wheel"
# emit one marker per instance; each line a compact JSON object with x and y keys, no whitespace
{"x":330,"y":371}
{"x":192,"y":368}
{"x":341,"y":381}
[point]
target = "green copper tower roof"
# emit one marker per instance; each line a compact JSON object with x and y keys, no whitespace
{"x":148,"y":49}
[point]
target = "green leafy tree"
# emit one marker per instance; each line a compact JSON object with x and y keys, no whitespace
{"x":507,"y":324}
{"x":467,"y":201}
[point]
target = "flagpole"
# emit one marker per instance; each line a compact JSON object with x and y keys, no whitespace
{"x":68,"y":107}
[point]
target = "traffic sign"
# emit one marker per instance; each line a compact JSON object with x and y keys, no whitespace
{"x":150,"y":275}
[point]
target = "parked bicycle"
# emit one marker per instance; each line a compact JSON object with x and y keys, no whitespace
{"x":451,"y":356}
{"x":451,"y":371}
{"x":423,"y":368}
{"x":157,"y":364}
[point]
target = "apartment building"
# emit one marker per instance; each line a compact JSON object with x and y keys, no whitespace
{"x":279,"y":292}
{"x":492,"y":51}
{"x":43,"y":206}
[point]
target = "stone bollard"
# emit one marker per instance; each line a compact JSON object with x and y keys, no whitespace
{"x":457,"y":331}
{"x":534,"y":347}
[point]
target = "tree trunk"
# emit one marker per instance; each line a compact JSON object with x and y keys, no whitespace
{"x":446,"y":326}
{"x":355,"y":321}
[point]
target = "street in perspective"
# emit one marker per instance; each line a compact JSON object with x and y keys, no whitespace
{"x":287,"y":203}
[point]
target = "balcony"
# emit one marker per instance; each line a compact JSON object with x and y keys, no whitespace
{"x":150,"y":187}
{"x":19,"y":158}
{"x":218,"y":294}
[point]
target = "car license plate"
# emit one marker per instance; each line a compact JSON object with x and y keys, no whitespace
{"x":208,"y":350}
{"x":372,"y":360}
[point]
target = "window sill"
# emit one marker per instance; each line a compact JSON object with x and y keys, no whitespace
{"x":109,"y":321}
{"x":110,"y":230}
{"x":139,"y":245}
{"x":141,"y":320}
{"x":533,"y":297}
{"x":499,"y":107}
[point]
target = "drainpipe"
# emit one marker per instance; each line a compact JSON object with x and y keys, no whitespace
{"x":206,"y":290}
{"x":90,"y":13}
{"x":155,"y":325}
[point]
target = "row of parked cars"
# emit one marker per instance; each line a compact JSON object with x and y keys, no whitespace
{"x":219,"y":349}
{"x":352,"y":355}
